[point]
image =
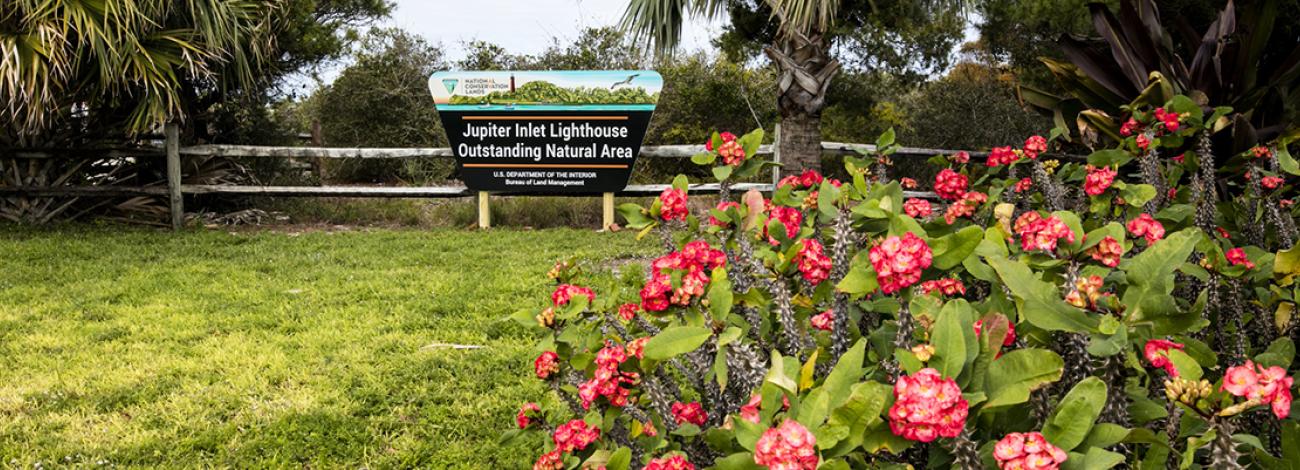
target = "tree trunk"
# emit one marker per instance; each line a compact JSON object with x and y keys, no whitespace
{"x":805,"y":68}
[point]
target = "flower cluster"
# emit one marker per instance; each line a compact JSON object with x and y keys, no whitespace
{"x":1038,"y":233}
{"x":1168,"y":119}
{"x":908,"y":183}
{"x":823,"y":321}
{"x":673,"y":204}
{"x":523,"y":417}
{"x":1130,"y":127}
{"x":1108,"y":251}
{"x":1024,"y":184}
{"x":1029,"y":450}
{"x":694,"y":261}
{"x":726,"y":137}
{"x":722,"y":207}
{"x":1266,"y":386}
{"x":1262,"y":152}
{"x":1156,"y":352}
{"x":672,"y":462}
{"x":692,"y":413}
{"x":1002,"y":156}
{"x":1087,"y":290}
{"x":812,"y":261}
{"x":789,"y":446}
{"x":1146,"y":227}
{"x":627,"y":311}
{"x":899,"y":261}
{"x":789,"y":217}
{"x":1035,"y":145}
{"x":608,"y":380}
{"x":1237,"y":256}
{"x":732,"y":153}
{"x":917,"y":208}
{"x":946,"y":286}
{"x":965,"y":207}
{"x":807,"y":180}
{"x":574,"y":435}
{"x":950,"y":185}
{"x":550,"y":461}
{"x":547,"y":363}
{"x":1271,"y":182}
{"x":1098,"y":180}
{"x":749,"y":411}
{"x":960,"y":157}
{"x":565,"y":292}
{"x":927,"y":407}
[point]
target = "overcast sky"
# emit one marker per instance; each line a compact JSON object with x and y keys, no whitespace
{"x":521,"y":26}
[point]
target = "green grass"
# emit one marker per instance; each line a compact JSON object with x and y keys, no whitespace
{"x":260,"y":349}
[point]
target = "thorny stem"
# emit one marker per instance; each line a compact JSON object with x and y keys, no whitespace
{"x":1223,"y":451}
{"x":902,"y":340}
{"x":964,"y":452}
{"x":1151,"y":175}
{"x":1052,"y":192}
{"x":844,"y":239}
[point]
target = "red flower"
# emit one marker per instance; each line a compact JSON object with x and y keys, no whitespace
{"x":1271,"y":182}
{"x":927,"y":407}
{"x":672,"y":462}
{"x":960,"y":157}
{"x":1108,"y":251}
{"x":565,"y":292}
{"x":950,"y":185}
{"x":726,"y":137}
{"x":823,"y":321}
{"x":1143,"y":142}
{"x":547,"y":363}
{"x":673,"y":205}
{"x":1157,"y":353}
{"x":1130,"y":127}
{"x":1035,"y":145}
{"x":907,"y":183}
{"x":1285,"y":203}
{"x":689,"y":413}
{"x":1222,"y":232}
{"x":1037,"y":233}
{"x":722,"y":207}
{"x":917,"y":208}
{"x":1011,"y":332}
{"x":787,"y":447}
{"x":1002,"y":156}
{"x":1024,"y":184}
{"x":1025,"y":451}
{"x":1147,"y":227}
{"x":1267,"y":386}
{"x":574,"y":435}
{"x":790,"y":218}
{"x":813,"y":263}
{"x":1098,"y":180}
{"x":1170,"y":120}
{"x":1086,"y":292}
{"x":1237,"y":256}
{"x":628,"y":311}
{"x":608,"y":381}
{"x":694,"y":262}
{"x":732,"y":153}
{"x":550,"y":461}
{"x":522,"y":418}
{"x":749,"y":411}
{"x":899,"y":261}
{"x":1180,"y":158}
{"x":636,"y":347}
{"x":947,"y":286}
{"x":965,"y":207}
{"x":1260,"y":151}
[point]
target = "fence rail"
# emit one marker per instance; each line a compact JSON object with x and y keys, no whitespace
{"x":174,"y":190}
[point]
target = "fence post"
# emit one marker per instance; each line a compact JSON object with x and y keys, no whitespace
{"x":607,"y":210}
{"x":176,"y":202}
{"x":484,"y":212}
{"x":317,"y":140}
{"x":776,"y":156}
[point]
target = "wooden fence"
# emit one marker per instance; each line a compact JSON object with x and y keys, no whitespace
{"x":175,"y":190}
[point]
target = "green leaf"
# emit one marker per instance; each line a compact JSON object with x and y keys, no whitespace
{"x":949,"y":340}
{"x":777,"y":375}
{"x":886,"y":139}
{"x":1096,"y":459}
{"x":1073,"y":418}
{"x":739,"y":461}
{"x":950,"y":250}
{"x":705,"y":158}
{"x":1286,"y":161}
{"x":1038,"y":301}
{"x":721,"y":173}
{"x":1186,"y":366}
{"x":680,"y":182}
{"x":675,"y":341}
{"x":861,"y":278}
{"x":861,"y":409}
{"x":1151,"y":277}
{"x":1280,"y":353}
{"x":846,"y":373}
{"x":1138,"y":194}
{"x":621,"y":459}
{"x":1109,"y":157}
{"x":1011,"y":377}
{"x":720,"y":295}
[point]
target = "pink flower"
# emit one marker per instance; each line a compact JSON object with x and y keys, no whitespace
{"x":732,"y":153}
{"x":807,"y":180}
{"x":1170,"y":120}
{"x":1147,"y":227}
{"x":965,"y":207}
{"x":1130,"y":127}
{"x":927,"y":407}
{"x":917,"y":208}
{"x":749,"y":411}
{"x":547,"y":363}
{"x":1038,"y":233}
{"x":790,"y":218}
{"x":574,"y":435}
{"x":907,"y":183}
{"x":608,"y":381}
{"x":1098,"y":180}
{"x":722,"y":207}
{"x":1002,"y":156}
{"x":689,"y":413}
{"x":1035,"y":145}
{"x":1271,"y":182}
{"x":1009,"y":340}
{"x":1029,"y":450}
{"x":672,"y":462}
{"x":1270,"y":386}
{"x":565,"y":292}
{"x":636,"y":347}
{"x":1260,"y":151}
{"x":823,"y":321}
{"x":900,"y":261}
{"x":1241,"y":380}
{"x":947,"y":286}
{"x":726,"y":137}
{"x":1157,"y":353}
{"x":1024,"y":184}
{"x":813,"y":263}
{"x":1237,"y":256}
{"x":950,"y":185}
{"x":694,"y":263}
{"x":673,"y":204}
{"x":628,"y":311}
{"x":787,"y":447}
{"x":1143,"y":142}
{"x":1180,"y":158}
{"x":550,"y":461}
{"x":960,"y":157}
{"x":521,"y":418}
{"x":1108,"y":251}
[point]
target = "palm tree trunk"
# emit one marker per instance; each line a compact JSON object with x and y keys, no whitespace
{"x":805,"y":68}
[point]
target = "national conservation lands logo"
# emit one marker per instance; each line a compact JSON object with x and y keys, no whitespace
{"x":546,"y":131}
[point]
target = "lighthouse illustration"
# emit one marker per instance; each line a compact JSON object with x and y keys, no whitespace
{"x":512,"y":83}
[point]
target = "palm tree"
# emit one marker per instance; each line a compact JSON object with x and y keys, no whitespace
{"x":138,"y":60}
{"x":800,"y":50}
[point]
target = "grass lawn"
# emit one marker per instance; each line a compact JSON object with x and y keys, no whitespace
{"x":132,"y":347}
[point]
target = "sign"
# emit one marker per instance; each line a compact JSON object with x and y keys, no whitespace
{"x":546,"y":131}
